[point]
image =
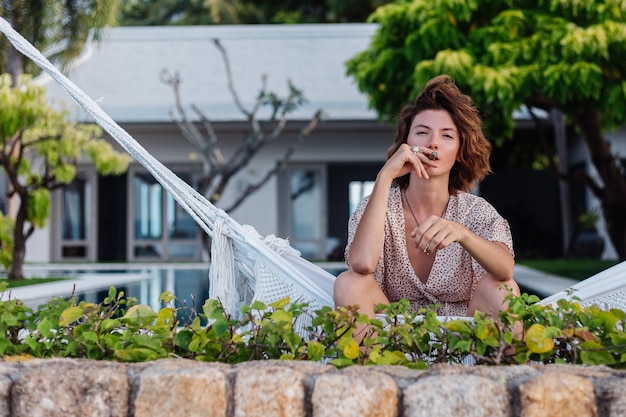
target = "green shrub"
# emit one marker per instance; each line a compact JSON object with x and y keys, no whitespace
{"x":121,"y":329}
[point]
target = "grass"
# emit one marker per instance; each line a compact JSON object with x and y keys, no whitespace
{"x":11,"y":283}
{"x":577,"y":269}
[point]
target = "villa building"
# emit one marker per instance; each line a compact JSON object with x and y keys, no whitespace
{"x":131,"y":218}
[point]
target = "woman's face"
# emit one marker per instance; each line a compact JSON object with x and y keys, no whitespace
{"x":434,"y":130}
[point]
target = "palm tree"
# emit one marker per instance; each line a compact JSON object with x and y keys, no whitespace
{"x":222,"y":12}
{"x":180,"y":12}
{"x":59,"y":28}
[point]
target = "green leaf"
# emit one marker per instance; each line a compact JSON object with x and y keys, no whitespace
{"x":258,"y":305}
{"x":109,"y":324}
{"x":45,"y":327}
{"x":593,"y":353}
{"x":167,"y":297}
{"x":90,"y":337}
{"x":38,"y":209}
{"x":351,"y":349}
{"x":111,"y":296}
{"x":5,"y":346}
{"x":194,"y":344}
{"x":136,"y":355}
{"x":166,"y":317}
{"x":341,"y":362}
{"x":220,"y":327}
{"x":213,"y":309}
{"x":280,"y":304}
{"x":315,"y":350}
{"x":281,"y":316}
{"x":390,"y":358}
{"x":183,"y":338}
{"x":10,"y":319}
{"x":537,"y":341}
{"x":140,"y":312}
{"x":70,"y":315}
{"x":458,"y":326}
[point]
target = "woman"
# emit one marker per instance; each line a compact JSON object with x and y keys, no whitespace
{"x":420,"y":235}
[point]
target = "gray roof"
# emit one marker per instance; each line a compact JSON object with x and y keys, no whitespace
{"x":122,"y":71}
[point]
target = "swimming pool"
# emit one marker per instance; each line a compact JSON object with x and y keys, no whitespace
{"x":189,"y":282}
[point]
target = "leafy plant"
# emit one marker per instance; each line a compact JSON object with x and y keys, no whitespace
{"x":39,"y":152}
{"x":558,"y":56}
{"x":589,"y":219}
{"x":121,"y":329}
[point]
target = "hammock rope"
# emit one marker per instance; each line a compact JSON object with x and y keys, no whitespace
{"x":246,"y":267}
{"x":250,"y":252}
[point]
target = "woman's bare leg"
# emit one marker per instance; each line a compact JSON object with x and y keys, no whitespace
{"x":354,"y":289}
{"x":490,"y":295}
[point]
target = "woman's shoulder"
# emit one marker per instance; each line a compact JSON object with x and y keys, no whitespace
{"x":468,"y":199}
{"x":465,"y":202}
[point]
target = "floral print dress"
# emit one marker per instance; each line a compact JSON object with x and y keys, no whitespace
{"x":454,"y":273}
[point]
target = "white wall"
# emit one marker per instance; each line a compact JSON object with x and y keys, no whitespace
{"x":331,"y":142}
{"x":38,"y":246}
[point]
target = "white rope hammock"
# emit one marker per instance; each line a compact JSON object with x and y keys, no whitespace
{"x":605,"y":290}
{"x":270,"y":268}
{"x":246,"y":267}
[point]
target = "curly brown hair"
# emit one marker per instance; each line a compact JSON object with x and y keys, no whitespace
{"x":441,"y":93}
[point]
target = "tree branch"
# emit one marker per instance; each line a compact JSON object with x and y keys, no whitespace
{"x":218,"y":170}
{"x":280,"y":164}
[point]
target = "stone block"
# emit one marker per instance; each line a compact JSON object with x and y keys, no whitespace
{"x":272,"y":388}
{"x":557,"y":394}
{"x":180,"y":387}
{"x":66,"y":388}
{"x":355,"y":392}
{"x":456,"y":394}
{"x":5,"y":387}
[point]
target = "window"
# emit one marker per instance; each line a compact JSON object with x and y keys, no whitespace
{"x":302,"y":192}
{"x":75,"y":221}
{"x":357,"y":190}
{"x":160,"y":229}
{"x":72,"y":221}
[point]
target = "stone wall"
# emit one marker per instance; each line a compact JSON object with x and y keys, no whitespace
{"x":178,"y":387}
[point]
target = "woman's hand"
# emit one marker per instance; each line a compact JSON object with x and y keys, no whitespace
{"x":406,"y":160}
{"x":437,"y":233}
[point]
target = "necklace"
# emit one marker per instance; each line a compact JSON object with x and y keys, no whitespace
{"x":411,"y":210}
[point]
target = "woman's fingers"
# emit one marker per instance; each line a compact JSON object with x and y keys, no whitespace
{"x":434,"y":234}
{"x":415,"y":159}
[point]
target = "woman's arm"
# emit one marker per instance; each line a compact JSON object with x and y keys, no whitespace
{"x":367,"y":244}
{"x":494,"y":257}
{"x":364,"y":251}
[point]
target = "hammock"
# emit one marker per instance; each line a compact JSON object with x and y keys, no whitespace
{"x":605,"y":290}
{"x":244,"y":266}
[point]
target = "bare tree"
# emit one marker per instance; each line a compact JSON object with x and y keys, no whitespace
{"x":217,"y":170}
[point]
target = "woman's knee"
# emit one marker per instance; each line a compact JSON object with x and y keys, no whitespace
{"x":498,"y":288}
{"x":512,"y":287}
{"x":348,"y":282}
{"x":490,"y":295}
{"x":351,"y":287}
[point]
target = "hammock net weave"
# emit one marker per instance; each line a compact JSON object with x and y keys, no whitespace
{"x":245,"y":266}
